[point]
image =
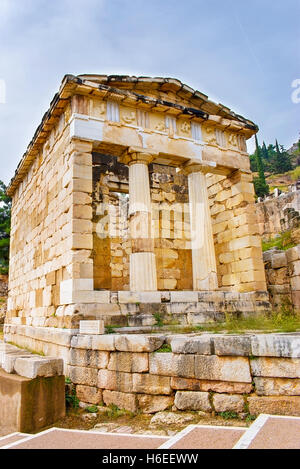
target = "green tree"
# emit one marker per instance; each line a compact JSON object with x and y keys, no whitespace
{"x":264,"y":152}
{"x":5,"y":211}
{"x":282,"y":160}
{"x":260,"y":185}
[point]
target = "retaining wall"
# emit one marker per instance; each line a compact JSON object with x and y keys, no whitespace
{"x":283,"y":276}
{"x":277,"y":214}
{"x":209,"y":372}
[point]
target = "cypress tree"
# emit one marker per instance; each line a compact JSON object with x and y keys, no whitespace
{"x":264,"y":151}
{"x":282,"y":161}
{"x":5,"y":208}
{"x":260,"y":185}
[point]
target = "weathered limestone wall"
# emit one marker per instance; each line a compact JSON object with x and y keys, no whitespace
{"x":111,"y":243}
{"x":132,"y":309}
{"x":171,"y":220}
{"x":51,"y":237}
{"x":278,"y":214}
{"x":209,"y":373}
{"x":39,"y":235}
{"x":283,"y":276}
{"x":248,"y":374}
{"x":170,"y":225}
{"x":237,"y":240}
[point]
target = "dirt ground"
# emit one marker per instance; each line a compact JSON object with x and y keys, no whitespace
{"x":125,"y":422}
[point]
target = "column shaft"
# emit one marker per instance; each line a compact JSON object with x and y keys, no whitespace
{"x":203,"y":252}
{"x":142,"y":259}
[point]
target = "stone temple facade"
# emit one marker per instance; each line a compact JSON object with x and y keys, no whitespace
{"x":134,"y":197}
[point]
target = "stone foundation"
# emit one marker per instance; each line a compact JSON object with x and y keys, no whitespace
{"x":125,"y":308}
{"x":246,"y":374}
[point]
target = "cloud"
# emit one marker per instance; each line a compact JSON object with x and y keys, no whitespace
{"x":202,"y":43}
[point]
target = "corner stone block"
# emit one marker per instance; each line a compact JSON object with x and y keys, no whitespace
{"x":32,"y":367}
{"x":138,"y":343}
{"x":275,"y":345}
{"x":276,"y":367}
{"x":216,"y":368}
{"x":120,"y":399}
{"x":199,"y":345}
{"x":228,"y":403}
{"x":169,"y":364}
{"x":189,"y":400}
{"x":9,"y":358}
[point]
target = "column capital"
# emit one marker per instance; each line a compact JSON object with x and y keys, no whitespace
{"x":195,"y":166}
{"x":138,"y":155}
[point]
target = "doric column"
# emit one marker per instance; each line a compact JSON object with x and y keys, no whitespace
{"x":202,"y":243}
{"x":142,"y":260}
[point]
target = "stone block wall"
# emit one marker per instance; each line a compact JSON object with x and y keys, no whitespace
{"x":40,"y":233}
{"x":241,"y":374}
{"x":247,"y":374}
{"x":277,"y":214}
{"x":170,"y":225}
{"x":237,"y":240}
{"x":51,"y":238}
{"x":283,"y":276}
{"x":236,"y":237}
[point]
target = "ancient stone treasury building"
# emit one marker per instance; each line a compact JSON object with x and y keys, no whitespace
{"x":134,"y":198}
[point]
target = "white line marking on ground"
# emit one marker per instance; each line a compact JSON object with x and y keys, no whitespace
{"x":175,"y":438}
{"x":245,"y":441}
{"x":94,"y":432}
{"x":29,"y":437}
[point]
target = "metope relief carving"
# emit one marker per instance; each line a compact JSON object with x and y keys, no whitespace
{"x":128,"y":116}
{"x":185,"y":128}
{"x":232,"y":140}
{"x":210,"y":135}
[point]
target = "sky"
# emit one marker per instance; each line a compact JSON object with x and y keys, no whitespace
{"x":245,"y":55}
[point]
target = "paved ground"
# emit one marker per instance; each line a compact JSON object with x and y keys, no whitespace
{"x":267,"y":432}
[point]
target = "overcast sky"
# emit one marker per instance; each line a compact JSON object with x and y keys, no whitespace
{"x":243,"y":54}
